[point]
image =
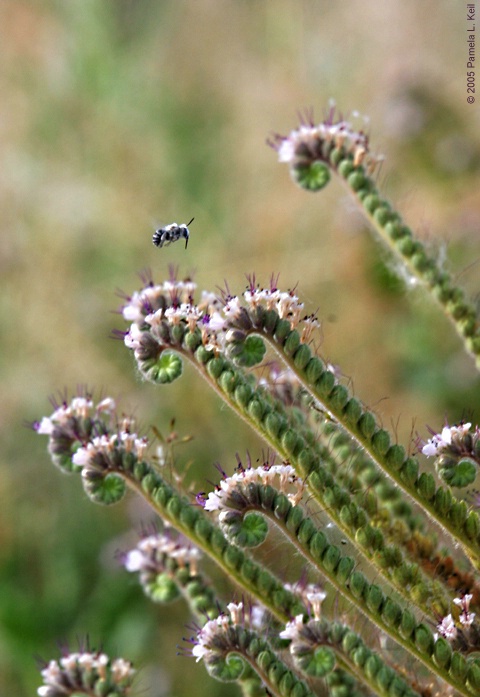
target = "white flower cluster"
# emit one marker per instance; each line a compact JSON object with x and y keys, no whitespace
{"x":147,"y":555}
{"x":441,"y":441}
{"x":106,"y":444}
{"x":281,"y":476}
{"x":292,"y":628}
{"x":79,"y":407}
{"x":142,"y":302}
{"x":341,"y":134}
{"x":214,"y":315}
{"x":206,"y":636}
{"x":65,"y":676}
{"x":447,"y":628}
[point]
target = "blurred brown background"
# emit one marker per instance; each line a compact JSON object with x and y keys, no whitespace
{"x":119,"y":115}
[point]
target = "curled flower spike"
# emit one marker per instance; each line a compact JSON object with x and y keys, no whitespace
{"x":221,"y":498}
{"x":158,"y":559}
{"x":90,"y":439}
{"x":255,"y":488}
{"x":166,"y":318}
{"x":311,"y":150}
{"x":150,"y":554}
{"x":457,"y":453}
{"x":88,"y":673}
{"x":207,"y":638}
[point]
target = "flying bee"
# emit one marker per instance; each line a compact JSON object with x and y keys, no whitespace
{"x":171,"y":233}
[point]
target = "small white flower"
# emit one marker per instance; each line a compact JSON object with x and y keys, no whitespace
{"x":46,"y":426}
{"x":447,"y":628}
{"x":134,"y":560}
{"x":83,"y":456}
{"x":291,"y":628}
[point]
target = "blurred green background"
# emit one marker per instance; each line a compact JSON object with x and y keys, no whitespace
{"x":119,"y":115}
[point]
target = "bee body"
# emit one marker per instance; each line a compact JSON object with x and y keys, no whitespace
{"x":171,"y":233}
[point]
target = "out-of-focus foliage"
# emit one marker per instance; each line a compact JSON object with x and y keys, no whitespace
{"x":118,"y":115}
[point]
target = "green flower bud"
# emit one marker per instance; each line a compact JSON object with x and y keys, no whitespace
{"x":407,"y":624}
{"x":162,"y":589}
{"x":344,"y":569}
{"x":228,"y":381}
{"x":420,"y":592}
{"x":203,"y":355}
{"x":286,"y":683}
{"x":301,"y":356}
{"x":273,"y":423}
{"x":345,"y":167}
{"x":357,"y":180}
{"x":358,"y":582}
{"x":461,"y":474}
{"x":391,"y":613}
{"x":458,"y":514}
{"x":317,"y":664}
{"x":265,"y":659}
{"x":384,"y":678}
{"x":256,"y":410}
{"x":381,"y":441}
{"x":350,"y":641}
{"x":306,"y":531}
{"x":178,"y":332}
{"x":276,"y":672}
{"x":473,"y":676}
{"x":101,"y":488}
{"x":424,"y":640}
{"x":282,"y":507}
{"x":367,"y":425}
{"x":395,"y":457}
{"x":243,"y":394}
{"x":193,"y":340}
{"x":406,"y":246}
{"x":318,"y":543}
{"x":188,"y":516}
{"x":426,"y":486}
{"x":292,"y":342}
{"x":443,"y":500}
{"x":233,"y":557}
{"x":291,"y":442}
{"x":442,"y":653}
{"x":330,"y":558}
{"x":282,"y":330}
{"x":294,"y":519}
{"x":383,"y":214}
{"x":409,"y":471}
{"x":268,"y":497}
{"x":372,"y":666}
{"x":359,"y":655}
{"x":458,"y":666}
{"x":229,"y":669}
{"x":374,"y":598}
{"x":166,"y":369}
{"x":325,"y":383}
{"x":371,"y":202}
{"x":203,"y":530}
{"x":353,"y":410}
{"x":338,"y":398}
{"x":215,"y":366}
{"x":472,"y":525}
{"x":312,"y":176}
{"x":313,"y":370}
{"x":252,"y":352}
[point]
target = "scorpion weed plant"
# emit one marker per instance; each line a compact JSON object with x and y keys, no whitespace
{"x":390,"y":537}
